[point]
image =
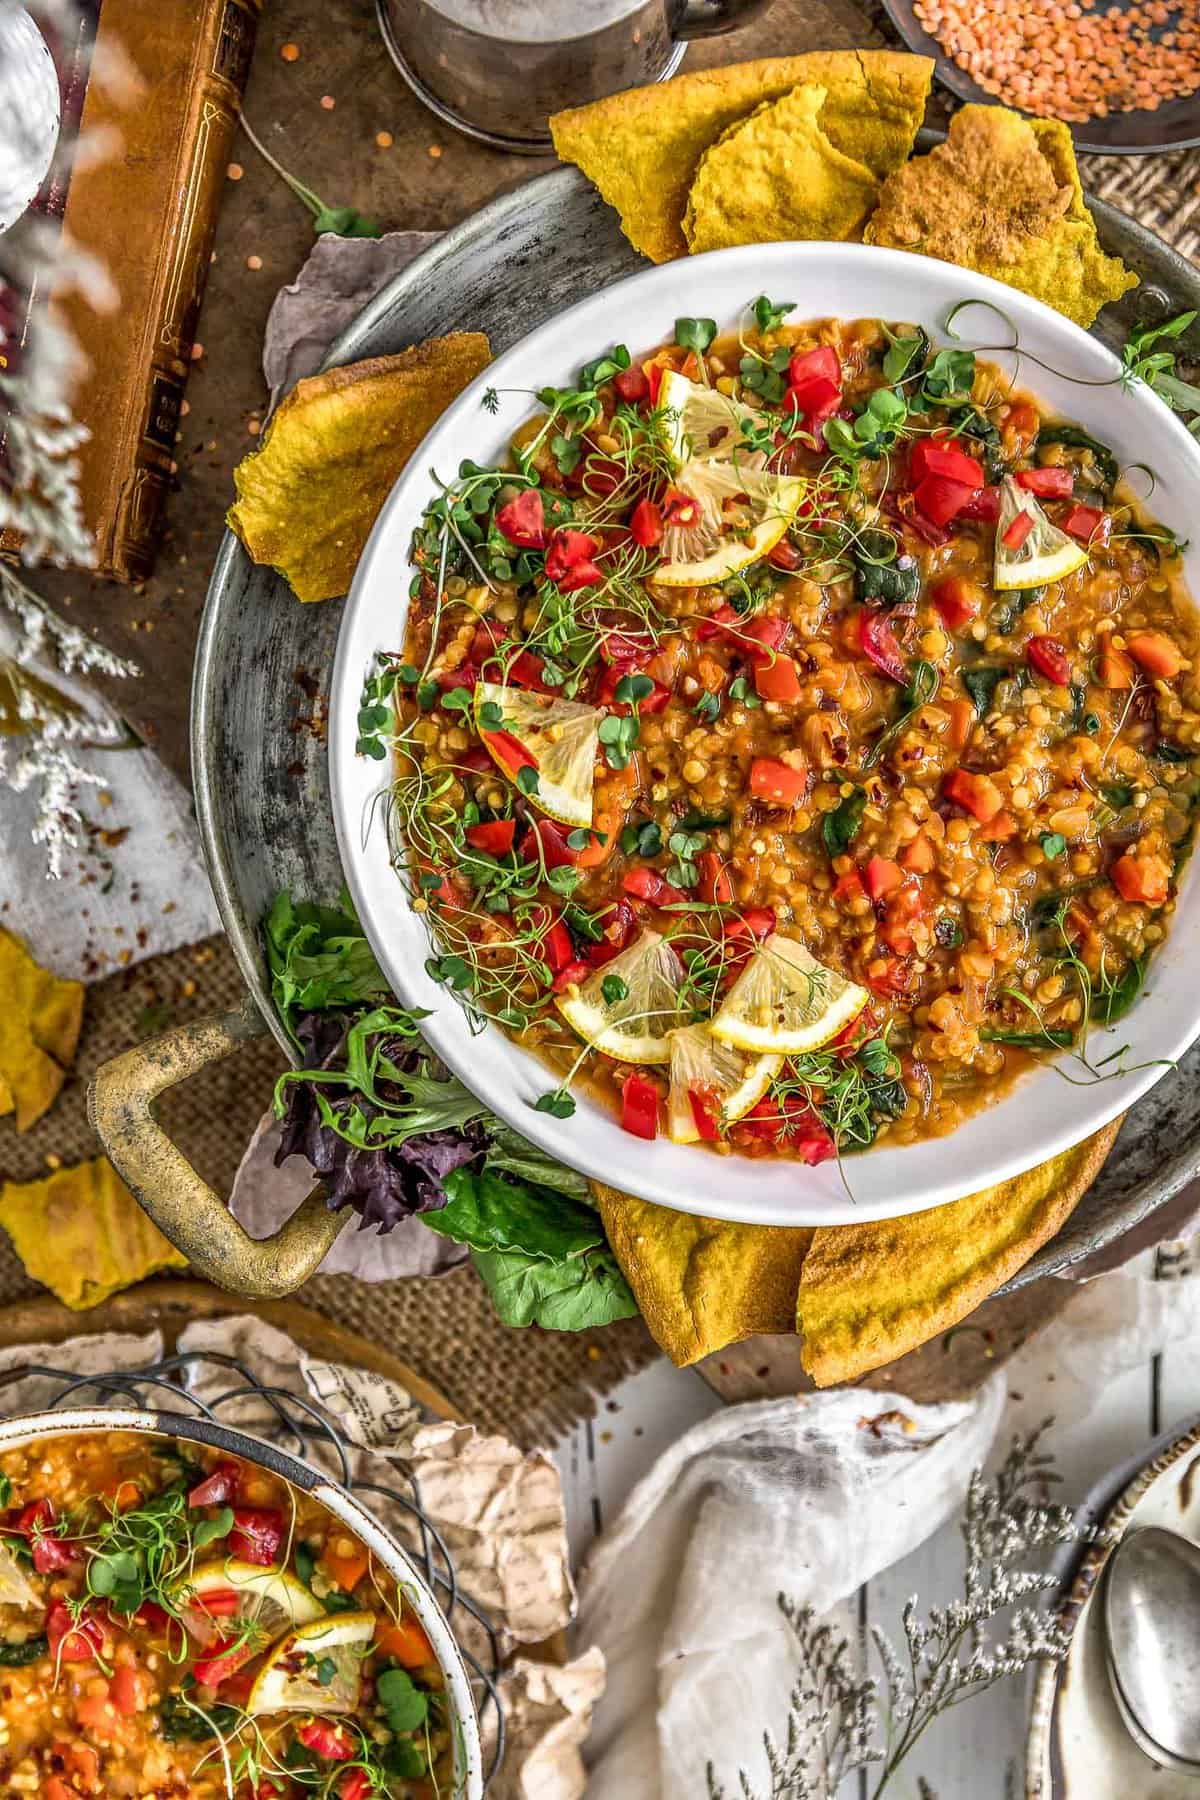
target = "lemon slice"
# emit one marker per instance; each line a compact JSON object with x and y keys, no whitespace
{"x":785,"y":1001}
{"x":272,"y":1600}
{"x":702,"y":425}
{"x":728,"y":1081}
{"x":743,"y":513}
{"x":561,"y":738}
{"x":628,"y":1008}
{"x":15,"y":1590}
{"x":1045,"y":554}
{"x":316,"y":1668}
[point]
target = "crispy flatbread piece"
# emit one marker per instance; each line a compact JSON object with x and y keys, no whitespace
{"x":82,"y":1233}
{"x":776,"y":174}
{"x":308,"y":499}
{"x":641,"y":147}
{"x":1002,"y":195}
{"x":40,"y":1017}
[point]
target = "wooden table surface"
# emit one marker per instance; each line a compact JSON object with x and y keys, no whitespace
{"x":428,"y":179}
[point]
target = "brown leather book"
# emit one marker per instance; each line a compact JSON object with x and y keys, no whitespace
{"x":149,"y":212}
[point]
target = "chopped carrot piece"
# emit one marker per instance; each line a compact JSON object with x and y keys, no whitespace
{"x":405,"y":1642}
{"x":1142,"y":876}
{"x":344,"y":1568}
{"x":1155,"y":652}
{"x":777,"y":783}
{"x":962,"y":723}
{"x":881,"y":876}
{"x":777,"y":680}
{"x":716,"y":886}
{"x":997,"y":829}
{"x":919,"y":857}
{"x":976,"y":794}
{"x":1114,"y":667}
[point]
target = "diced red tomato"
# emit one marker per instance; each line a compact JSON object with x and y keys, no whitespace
{"x":556,"y":852}
{"x":567,"y":549}
{"x":355,"y":1784}
{"x":878,"y":644}
{"x":639,"y":1106}
{"x":941,"y":499}
{"x":792,"y":1119}
{"x":943,"y":458}
{"x":785,"y":556}
{"x":124,"y":1692}
{"x":38,"y":1522}
{"x":984,"y":505}
{"x":220,"y":1603}
{"x":646,"y":524}
{"x":898,"y":938}
{"x":522,"y":520}
{"x":647,"y":884}
{"x":631,"y":385}
{"x":57,"y":1789}
{"x":777,"y":783}
{"x":1049,"y":658}
{"x":557,"y":947}
{"x":73,"y":1640}
{"x":625,"y":649}
{"x":814,"y":379}
{"x":716,"y":885}
{"x":1088,"y":525}
{"x":1017,"y":530}
{"x":679,"y":508}
{"x":881,"y":875}
{"x":764,"y":635}
{"x":223,"y":1659}
{"x":893,"y":982}
{"x":1155,"y":652}
{"x":725,"y":617}
{"x":495,"y":836}
{"x":1055,"y":482}
{"x":257,"y":1534}
{"x":510,"y":751}
{"x":751,"y":922}
{"x":333,"y":1742}
{"x":1142,"y":876}
{"x":976,"y":794}
{"x":919,"y":856}
{"x":704,"y":1115}
{"x":571,"y":976}
{"x":849,"y":886}
{"x":619,"y":923}
{"x":581,"y":575}
{"x":1115,"y":668}
{"x":957,"y":601}
{"x":778,"y":680}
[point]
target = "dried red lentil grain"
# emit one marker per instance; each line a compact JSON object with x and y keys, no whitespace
{"x":290,"y":53}
{"x":235,"y":171}
{"x":384,"y":139}
{"x":328,"y":102}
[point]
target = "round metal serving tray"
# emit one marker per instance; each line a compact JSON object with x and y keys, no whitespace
{"x":262,"y":786}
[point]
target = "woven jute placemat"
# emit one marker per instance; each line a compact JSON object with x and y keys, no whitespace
{"x":531,"y":1384}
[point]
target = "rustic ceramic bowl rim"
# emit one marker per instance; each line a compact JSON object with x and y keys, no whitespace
{"x":1043,"y":1115}
{"x":72,"y":1421}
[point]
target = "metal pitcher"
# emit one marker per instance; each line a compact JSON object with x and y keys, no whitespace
{"x":497,"y":69}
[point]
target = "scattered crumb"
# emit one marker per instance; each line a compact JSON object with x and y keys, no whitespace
{"x":435,"y":150}
{"x":235,"y":171}
{"x":384,"y":139}
{"x":254,"y":262}
{"x":290,"y":53}
{"x":328,"y":102}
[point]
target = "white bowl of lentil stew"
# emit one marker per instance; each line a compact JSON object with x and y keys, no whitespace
{"x":809,"y":777}
{"x":185,"y":1609}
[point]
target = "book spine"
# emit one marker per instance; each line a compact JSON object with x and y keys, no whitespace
{"x":224,"y":53}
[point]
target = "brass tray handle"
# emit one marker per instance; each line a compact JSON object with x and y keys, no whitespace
{"x":186,"y":1210}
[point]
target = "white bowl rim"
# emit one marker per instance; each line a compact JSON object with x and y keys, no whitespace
{"x":24,"y":1428}
{"x":996,"y":1142}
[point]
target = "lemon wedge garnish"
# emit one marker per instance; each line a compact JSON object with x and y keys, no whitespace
{"x":15,"y":1590}
{"x":629,"y":1008}
{"x":272,"y":1600}
{"x":559,"y":735}
{"x":727,"y":1082}
{"x":785,"y":1001}
{"x":743,"y":513}
{"x":316,"y":1668}
{"x":1044,"y":554}
{"x":702,"y":425}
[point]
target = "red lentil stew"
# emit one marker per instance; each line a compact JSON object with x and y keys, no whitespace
{"x":175,"y":1622}
{"x":797,"y":739}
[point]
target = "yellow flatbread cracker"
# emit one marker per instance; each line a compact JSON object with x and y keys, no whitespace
{"x":1002,"y":195}
{"x":40,"y":1017}
{"x":641,"y":147}
{"x":775,"y":174}
{"x":308,"y":498}
{"x":82,"y":1233}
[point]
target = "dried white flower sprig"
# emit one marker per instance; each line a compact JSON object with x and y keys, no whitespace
{"x":55,"y":730}
{"x":839,"y":1720}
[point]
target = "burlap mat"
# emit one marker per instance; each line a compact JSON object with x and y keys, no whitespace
{"x":530,"y":1385}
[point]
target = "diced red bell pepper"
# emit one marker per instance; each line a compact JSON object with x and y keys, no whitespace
{"x":526,"y":671}
{"x":257,"y":1534}
{"x":646,"y":524}
{"x":881,"y":875}
{"x":495,"y":836}
{"x":849,"y":887}
{"x":556,"y":852}
{"x":1017,"y":530}
{"x":725,"y":618}
{"x":1055,"y":482}
{"x":73,"y":1640}
{"x":581,"y":575}
{"x":218,"y":1488}
{"x":510,"y":751}
{"x":893,"y":982}
{"x":898,"y":938}
{"x":619,"y":924}
{"x":716,"y":885}
{"x":679,"y":508}
{"x":814,"y":379}
{"x":647,"y":884}
{"x":557,"y":947}
{"x":984,"y":505}
{"x":777,"y":783}
{"x":220,"y":1603}
{"x":957,"y":601}
{"x":522,"y":520}
{"x":941,"y":499}
{"x":639,"y":1106}
{"x":604,"y":475}
{"x":356,"y":1784}
{"x":567,"y":549}
{"x":1156,"y":653}
{"x":571,"y":976}
{"x":1049,"y":658}
{"x":704,"y":1115}
{"x":943,"y":458}
{"x":333,"y":1742}
{"x":919,"y":857}
{"x":1088,"y":525}
{"x":976,"y":794}
{"x":751,"y":922}
{"x":791,"y":1121}
{"x":1142,"y":877}
{"x":877,"y":642}
{"x":778,"y":680}
{"x":38,"y":1522}
{"x":625,"y":650}
{"x":631,"y":385}
{"x":764,"y":635}
{"x":224,"y":1659}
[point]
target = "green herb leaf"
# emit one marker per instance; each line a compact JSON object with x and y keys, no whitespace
{"x":557,"y":1103}
{"x":981,"y":682}
{"x":405,"y":1706}
{"x":1054,"y":844}
{"x":695,"y":334}
{"x":614,"y":988}
{"x":1073,"y":436}
{"x":770,"y":313}
{"x":840,"y":827}
{"x":208,"y":1531}
{"x":17,"y":1652}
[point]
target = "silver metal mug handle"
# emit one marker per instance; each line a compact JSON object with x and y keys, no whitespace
{"x":710,"y":18}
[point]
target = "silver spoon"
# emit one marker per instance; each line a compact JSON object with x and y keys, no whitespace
{"x":1152,"y":1643}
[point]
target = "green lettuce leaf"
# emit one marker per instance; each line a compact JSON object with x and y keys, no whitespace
{"x":559,"y":1296}
{"x":319,"y":958}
